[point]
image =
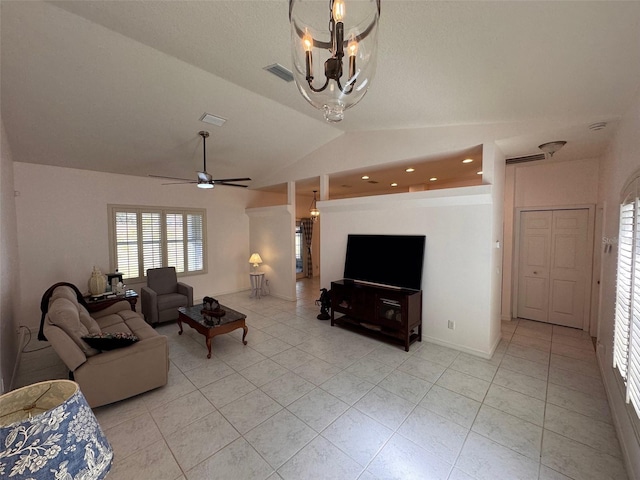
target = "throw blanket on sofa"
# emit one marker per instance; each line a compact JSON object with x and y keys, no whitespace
{"x":44,"y":304}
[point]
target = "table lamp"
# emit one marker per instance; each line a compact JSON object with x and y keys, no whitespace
{"x":48,"y":430}
{"x":256,"y":260}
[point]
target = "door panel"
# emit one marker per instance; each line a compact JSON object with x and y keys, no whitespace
{"x":535,"y":239}
{"x":569,"y":259}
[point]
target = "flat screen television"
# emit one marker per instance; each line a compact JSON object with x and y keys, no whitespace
{"x":393,"y":260}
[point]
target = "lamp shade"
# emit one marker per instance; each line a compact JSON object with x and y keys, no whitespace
{"x":255,"y":259}
{"x":47,"y":431}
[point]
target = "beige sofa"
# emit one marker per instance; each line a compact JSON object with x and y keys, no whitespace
{"x":107,"y":376}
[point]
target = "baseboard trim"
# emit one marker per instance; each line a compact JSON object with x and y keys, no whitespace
{"x":472,"y":351}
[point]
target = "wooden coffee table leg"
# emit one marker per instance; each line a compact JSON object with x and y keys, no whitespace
{"x":180,"y":325}
{"x":209,"y":346}
{"x":246,"y":329}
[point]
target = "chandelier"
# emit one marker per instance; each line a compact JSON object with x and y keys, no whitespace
{"x":313,"y":210}
{"x":329,"y":35}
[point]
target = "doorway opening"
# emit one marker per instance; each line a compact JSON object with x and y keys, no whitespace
{"x":301,"y":271}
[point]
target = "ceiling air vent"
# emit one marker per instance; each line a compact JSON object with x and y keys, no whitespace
{"x":280,"y":71}
{"x":527,"y":158}
{"x":372,"y":182}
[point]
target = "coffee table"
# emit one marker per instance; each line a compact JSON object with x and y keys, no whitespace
{"x":212,"y":326}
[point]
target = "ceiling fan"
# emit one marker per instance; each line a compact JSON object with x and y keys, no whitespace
{"x":205,"y":180}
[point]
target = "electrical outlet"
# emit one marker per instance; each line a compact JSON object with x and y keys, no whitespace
{"x":451,"y":325}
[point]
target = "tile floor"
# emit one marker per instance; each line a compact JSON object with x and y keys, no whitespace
{"x":304,"y":400}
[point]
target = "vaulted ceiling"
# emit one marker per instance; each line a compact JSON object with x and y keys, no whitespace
{"x":120,"y":86}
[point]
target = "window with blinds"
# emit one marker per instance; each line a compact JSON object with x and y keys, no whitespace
{"x":142,"y":238}
{"x":626,"y":343}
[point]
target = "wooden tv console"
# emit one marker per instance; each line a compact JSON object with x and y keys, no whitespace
{"x":382,"y":312}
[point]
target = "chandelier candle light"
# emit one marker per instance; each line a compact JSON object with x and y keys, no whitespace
{"x":355,"y":29}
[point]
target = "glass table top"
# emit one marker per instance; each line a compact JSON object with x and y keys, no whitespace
{"x":195,"y":314}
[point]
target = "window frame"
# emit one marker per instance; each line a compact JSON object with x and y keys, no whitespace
{"x":626,"y":339}
{"x":113,"y":209}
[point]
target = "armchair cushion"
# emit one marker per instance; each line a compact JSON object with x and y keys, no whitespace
{"x":162,"y":280}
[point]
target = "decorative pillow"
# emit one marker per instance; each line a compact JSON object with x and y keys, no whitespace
{"x":110,"y":341}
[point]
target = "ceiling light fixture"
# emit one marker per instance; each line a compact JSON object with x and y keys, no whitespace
{"x":355,"y":30}
{"x":394,"y":184}
{"x":467,"y":160}
{"x":410,"y":169}
{"x":550,"y":148}
{"x":433,"y":179}
{"x":479,"y":173}
{"x":365,"y":177}
{"x":313,"y":210}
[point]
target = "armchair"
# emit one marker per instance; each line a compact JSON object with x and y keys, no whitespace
{"x":163,"y":295}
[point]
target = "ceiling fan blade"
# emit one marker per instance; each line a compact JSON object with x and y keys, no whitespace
{"x":219,"y":180}
{"x":186,"y":182}
{"x":172,"y":178}
{"x":231,"y":184}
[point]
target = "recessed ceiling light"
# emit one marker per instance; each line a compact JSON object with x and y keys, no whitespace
{"x":410,"y":169}
{"x":394,"y":184}
{"x":479,"y":173}
{"x":212,"y":119}
{"x":467,"y":160}
{"x":433,"y":179}
{"x":365,"y":177}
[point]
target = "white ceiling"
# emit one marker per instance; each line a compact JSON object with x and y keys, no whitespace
{"x":120,"y":86}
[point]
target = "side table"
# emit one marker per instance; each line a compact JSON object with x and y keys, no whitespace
{"x":256,"y":284}
{"x":130,"y":296}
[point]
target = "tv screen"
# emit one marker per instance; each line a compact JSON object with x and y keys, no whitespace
{"x":394,"y":260}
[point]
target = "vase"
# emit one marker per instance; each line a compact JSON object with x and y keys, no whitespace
{"x":97,"y":282}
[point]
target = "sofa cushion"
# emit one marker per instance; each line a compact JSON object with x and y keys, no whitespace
{"x":68,"y":294}
{"x":64,"y":314}
{"x":110,"y":341}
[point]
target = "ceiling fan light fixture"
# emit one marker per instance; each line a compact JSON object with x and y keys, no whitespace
{"x":343,"y":55}
{"x":550,"y":148}
{"x":205,"y":185}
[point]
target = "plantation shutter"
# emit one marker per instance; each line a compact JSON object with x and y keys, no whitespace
{"x":175,"y":241}
{"x":194,"y":242}
{"x":623,"y":290}
{"x":634,"y":354}
{"x":126,"y":233}
{"x":151,"y":241}
{"x":626,"y":342}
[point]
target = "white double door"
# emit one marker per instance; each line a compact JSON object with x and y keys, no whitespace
{"x":554,"y":266}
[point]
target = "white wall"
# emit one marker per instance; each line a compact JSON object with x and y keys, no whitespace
{"x":620,"y":162}
{"x":542,"y":184}
{"x":9,"y":273}
{"x":457,"y":273}
{"x":271,"y":234}
{"x":62,"y":227}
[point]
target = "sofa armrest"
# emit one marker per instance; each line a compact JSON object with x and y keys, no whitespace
{"x":186,"y":290}
{"x":149,"y":299}
{"x":111,"y":309}
{"x":68,"y":351}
